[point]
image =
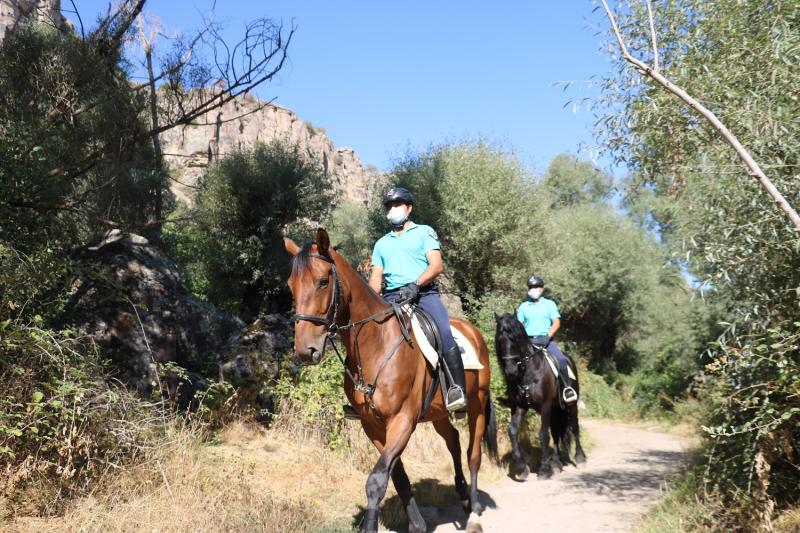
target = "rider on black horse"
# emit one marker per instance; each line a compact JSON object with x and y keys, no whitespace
{"x":408,"y":259}
{"x":541,"y":319}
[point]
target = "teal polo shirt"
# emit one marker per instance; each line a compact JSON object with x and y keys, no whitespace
{"x":402,"y":256}
{"x":537,"y":317}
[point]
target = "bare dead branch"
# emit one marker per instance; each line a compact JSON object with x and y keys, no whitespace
{"x":753,"y":167}
{"x":652,"y":35}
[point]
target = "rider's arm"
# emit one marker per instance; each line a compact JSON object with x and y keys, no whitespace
{"x":434,"y":267}
{"x":554,"y":327}
{"x":376,"y":278}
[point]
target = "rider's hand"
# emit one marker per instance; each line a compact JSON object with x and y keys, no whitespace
{"x":408,"y":292}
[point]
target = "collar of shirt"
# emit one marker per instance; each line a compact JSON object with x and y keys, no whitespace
{"x":398,"y":235}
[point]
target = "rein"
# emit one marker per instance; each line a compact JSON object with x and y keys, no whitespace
{"x":329,"y":320}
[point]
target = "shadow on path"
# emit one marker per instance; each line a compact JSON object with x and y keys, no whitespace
{"x":438,"y":503}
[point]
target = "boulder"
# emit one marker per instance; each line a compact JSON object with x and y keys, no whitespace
{"x":130,"y":299}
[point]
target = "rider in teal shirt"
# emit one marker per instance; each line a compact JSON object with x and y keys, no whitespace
{"x":405,"y":264}
{"x":402,"y":255}
{"x":541,"y":319}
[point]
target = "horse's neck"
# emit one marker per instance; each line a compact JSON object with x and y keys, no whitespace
{"x":530,"y":359}
{"x":360,"y":301}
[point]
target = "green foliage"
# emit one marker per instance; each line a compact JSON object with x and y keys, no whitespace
{"x":314,"y":397}
{"x":232,"y":248}
{"x":571,"y":181}
{"x":71,"y":150}
{"x":742,"y":60}
{"x":61,"y":424}
{"x":478,"y":197}
{"x":350,"y":231}
{"x":626,"y":308}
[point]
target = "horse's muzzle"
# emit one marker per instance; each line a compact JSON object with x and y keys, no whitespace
{"x":309,"y":356}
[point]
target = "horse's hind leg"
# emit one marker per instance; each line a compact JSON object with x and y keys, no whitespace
{"x":519,"y":462}
{"x":477,"y":426}
{"x":575,"y":428}
{"x":450,"y":435}
{"x":416,"y":524}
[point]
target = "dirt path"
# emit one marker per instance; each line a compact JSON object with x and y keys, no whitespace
{"x":622,"y":478}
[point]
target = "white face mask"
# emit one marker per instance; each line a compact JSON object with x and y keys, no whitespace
{"x":397,"y":215}
{"x":535,"y":293}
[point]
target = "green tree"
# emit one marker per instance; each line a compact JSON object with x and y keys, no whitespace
{"x":484,"y":205}
{"x":62,"y":100}
{"x":570,"y":180}
{"x":235,"y":238}
{"x":741,"y":59}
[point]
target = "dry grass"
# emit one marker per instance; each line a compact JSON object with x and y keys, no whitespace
{"x":788,"y":521}
{"x":251,"y":479}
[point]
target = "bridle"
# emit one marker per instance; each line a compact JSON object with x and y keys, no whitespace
{"x":329,"y":320}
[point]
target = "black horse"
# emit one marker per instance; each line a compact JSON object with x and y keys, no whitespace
{"x":530,"y":383}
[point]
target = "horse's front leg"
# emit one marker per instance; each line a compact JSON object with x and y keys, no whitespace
{"x":519,"y":465}
{"x":398,"y":432}
{"x":416,"y":524}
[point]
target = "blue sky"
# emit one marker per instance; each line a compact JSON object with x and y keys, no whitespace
{"x":382,"y":77}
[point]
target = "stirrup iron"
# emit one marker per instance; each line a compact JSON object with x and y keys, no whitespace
{"x":569,"y":395}
{"x":456,"y":400}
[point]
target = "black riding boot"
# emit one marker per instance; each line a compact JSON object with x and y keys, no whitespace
{"x":568,"y":394}
{"x":456,"y":400}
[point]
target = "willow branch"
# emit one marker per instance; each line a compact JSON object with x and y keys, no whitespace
{"x":730,"y":138}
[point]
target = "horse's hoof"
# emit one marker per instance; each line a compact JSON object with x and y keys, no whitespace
{"x":546,"y":473}
{"x":474,"y":524}
{"x":523,"y":473}
{"x":580,"y":458}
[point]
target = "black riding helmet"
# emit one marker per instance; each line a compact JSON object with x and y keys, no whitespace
{"x":398,"y":193}
{"x":535,"y":281}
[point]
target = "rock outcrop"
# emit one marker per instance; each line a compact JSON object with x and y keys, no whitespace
{"x":241,"y":123}
{"x":12,"y":12}
{"x":131,"y":301}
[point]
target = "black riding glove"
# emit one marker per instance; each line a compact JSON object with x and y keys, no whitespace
{"x":408,"y":293}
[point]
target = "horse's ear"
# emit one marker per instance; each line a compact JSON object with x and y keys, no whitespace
{"x":323,"y":241}
{"x":496,"y":317}
{"x":291,"y":246}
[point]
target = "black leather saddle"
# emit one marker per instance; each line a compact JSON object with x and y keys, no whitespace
{"x":428,"y":326}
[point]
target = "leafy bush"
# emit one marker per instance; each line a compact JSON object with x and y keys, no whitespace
{"x":62,"y":424}
{"x":312,"y":400}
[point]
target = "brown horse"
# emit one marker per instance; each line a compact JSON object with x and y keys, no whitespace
{"x":386,"y":375}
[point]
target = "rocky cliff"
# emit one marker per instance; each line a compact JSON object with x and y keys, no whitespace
{"x":12,"y":12}
{"x":240,"y":123}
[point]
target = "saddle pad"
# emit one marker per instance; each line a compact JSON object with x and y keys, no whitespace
{"x":468,"y":353}
{"x":554,"y":368}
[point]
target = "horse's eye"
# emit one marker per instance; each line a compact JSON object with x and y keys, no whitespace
{"x":323,"y":282}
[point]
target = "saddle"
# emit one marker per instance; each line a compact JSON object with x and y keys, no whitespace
{"x":429,"y":340}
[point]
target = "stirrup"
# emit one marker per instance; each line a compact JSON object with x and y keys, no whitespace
{"x":349,"y":412}
{"x":456,"y":402}
{"x":569,"y":395}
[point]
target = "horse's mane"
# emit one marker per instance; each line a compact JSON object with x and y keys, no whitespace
{"x":508,"y":327}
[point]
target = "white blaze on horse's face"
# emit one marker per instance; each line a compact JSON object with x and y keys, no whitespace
{"x":312,"y":288}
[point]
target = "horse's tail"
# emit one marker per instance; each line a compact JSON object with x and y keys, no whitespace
{"x":490,"y":432}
